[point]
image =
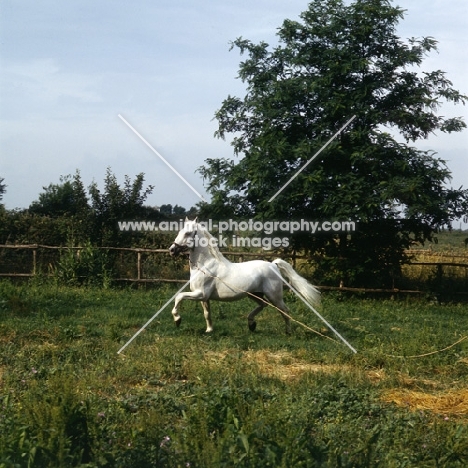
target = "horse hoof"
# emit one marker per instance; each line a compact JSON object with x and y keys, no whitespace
{"x":177,"y":322}
{"x":252,"y":326}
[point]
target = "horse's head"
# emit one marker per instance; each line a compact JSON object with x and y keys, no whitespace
{"x":185,"y":240}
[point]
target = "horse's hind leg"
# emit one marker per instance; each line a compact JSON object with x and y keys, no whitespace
{"x":258,"y":298}
{"x":284,"y":311}
{"x":277,"y":301}
{"x":207,"y":314}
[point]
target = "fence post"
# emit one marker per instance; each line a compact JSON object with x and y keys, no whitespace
{"x":139,"y":265}
{"x":34,"y":261}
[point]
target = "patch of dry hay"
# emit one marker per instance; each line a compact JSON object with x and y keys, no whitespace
{"x":280,"y":364}
{"x":408,"y":381}
{"x":454,"y":402}
{"x":285,"y":367}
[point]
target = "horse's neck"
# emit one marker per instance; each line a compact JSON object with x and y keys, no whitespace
{"x":201,"y":256}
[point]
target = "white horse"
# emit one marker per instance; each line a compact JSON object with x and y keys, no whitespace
{"x":214,"y":277}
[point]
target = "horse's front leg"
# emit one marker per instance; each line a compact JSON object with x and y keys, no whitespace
{"x":191,"y":296}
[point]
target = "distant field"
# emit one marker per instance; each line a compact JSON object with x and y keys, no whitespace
{"x":448,"y":242}
{"x":444,"y":270}
{"x":180,"y":398}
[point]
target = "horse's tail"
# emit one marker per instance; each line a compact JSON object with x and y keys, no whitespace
{"x":309,"y":292}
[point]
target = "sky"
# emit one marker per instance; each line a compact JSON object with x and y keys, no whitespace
{"x":69,"y":69}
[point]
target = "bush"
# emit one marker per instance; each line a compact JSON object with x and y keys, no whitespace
{"x":88,"y":265}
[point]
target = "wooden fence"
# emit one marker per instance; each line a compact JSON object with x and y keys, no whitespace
{"x":29,"y":260}
{"x":140,"y":265}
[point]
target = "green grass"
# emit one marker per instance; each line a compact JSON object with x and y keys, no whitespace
{"x":177,"y":397}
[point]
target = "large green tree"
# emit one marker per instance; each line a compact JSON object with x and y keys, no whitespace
{"x":340,"y":60}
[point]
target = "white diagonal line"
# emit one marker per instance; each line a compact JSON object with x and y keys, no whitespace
{"x":154,"y":316}
{"x":312,"y":158}
{"x":161,"y":157}
{"x":312,"y":309}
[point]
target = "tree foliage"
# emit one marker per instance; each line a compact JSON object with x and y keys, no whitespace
{"x":2,"y":188}
{"x":340,"y":60}
{"x":116,"y":204}
{"x":66,"y":213}
{"x":68,"y":198}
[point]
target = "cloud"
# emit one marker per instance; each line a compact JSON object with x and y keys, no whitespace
{"x":41,"y":86}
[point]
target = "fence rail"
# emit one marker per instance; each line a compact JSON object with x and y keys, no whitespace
{"x":143,"y":267}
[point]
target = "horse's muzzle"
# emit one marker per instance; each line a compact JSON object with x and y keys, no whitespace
{"x":176,"y":249}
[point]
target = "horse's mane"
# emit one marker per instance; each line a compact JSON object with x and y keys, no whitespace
{"x":212,"y":246}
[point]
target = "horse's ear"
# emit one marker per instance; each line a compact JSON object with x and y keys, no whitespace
{"x":187,"y":220}
{"x":196,"y":219}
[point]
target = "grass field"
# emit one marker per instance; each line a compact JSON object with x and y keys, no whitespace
{"x":449,"y":241}
{"x":180,"y":398}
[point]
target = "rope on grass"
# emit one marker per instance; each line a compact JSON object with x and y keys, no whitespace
{"x":432,"y":352}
